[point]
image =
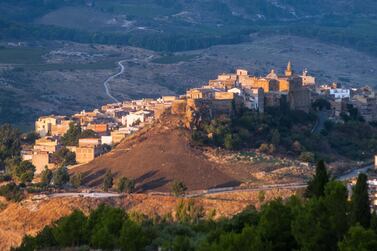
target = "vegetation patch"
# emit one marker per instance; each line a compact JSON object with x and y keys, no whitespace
{"x":173,"y":59}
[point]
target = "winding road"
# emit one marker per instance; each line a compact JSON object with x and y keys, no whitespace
{"x":106,"y":83}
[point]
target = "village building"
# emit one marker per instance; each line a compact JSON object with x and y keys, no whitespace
{"x":100,"y":129}
{"x":61,"y":128}
{"x":254,"y":99}
{"x":44,"y":125}
{"x":307,"y":80}
{"x":135,"y":118}
{"x":47,"y":144}
{"x":340,"y":93}
{"x":87,"y":150}
{"x":118,"y":135}
{"x":42,"y":159}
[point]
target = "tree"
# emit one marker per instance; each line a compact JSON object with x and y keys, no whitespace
{"x":360,"y":209}
{"x":359,"y":239}
{"x":178,"y":188}
{"x":46,"y":176}
{"x":25,"y":171}
{"x":316,"y":186}
{"x":274,"y":228}
{"x":88,"y":134}
{"x":108,"y":181}
{"x":22,"y":171}
{"x":275,"y":138}
{"x":65,"y":157}
{"x":307,"y":157}
{"x":10,"y":144}
{"x":71,"y":137}
{"x":70,"y":230}
{"x":60,"y":177}
{"x":132,"y":237}
{"x":76,"y":180}
{"x":337,"y":208}
{"x":189,"y":211}
{"x":12,"y":192}
{"x":126,"y":185}
{"x":310,"y":227}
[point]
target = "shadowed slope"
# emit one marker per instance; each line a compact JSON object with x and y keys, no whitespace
{"x":155,"y":157}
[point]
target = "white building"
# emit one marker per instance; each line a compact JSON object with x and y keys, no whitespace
{"x":236,"y":90}
{"x":340,"y":93}
{"x":254,"y":99}
{"x":307,"y":79}
{"x":135,"y":118}
{"x":108,"y":140}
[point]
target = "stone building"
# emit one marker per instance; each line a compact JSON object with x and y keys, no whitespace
{"x":47,"y":144}
{"x":41,"y":160}
{"x":43,"y":126}
{"x":88,"y":149}
{"x":100,"y":129}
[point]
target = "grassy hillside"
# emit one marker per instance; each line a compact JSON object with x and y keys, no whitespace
{"x":166,"y":25}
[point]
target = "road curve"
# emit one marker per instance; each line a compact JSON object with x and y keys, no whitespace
{"x":106,"y":83}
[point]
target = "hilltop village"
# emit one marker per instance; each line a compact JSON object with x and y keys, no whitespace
{"x":109,"y":125}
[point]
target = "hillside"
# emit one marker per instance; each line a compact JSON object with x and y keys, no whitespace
{"x":38,"y":81}
{"x":166,"y":25}
{"x":29,"y":217}
{"x":154,"y":158}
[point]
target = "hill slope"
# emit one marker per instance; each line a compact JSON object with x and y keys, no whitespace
{"x":155,"y":157}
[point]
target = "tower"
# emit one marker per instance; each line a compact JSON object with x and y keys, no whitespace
{"x":288,"y":71}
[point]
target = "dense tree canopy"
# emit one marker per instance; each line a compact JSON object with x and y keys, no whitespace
{"x":318,"y":223}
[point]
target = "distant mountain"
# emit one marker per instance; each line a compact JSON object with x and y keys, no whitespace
{"x":176,"y":25}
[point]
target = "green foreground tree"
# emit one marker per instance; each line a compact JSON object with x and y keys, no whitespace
{"x":360,"y":211}
{"x":316,"y":186}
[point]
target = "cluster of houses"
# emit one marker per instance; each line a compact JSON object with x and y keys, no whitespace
{"x":364,"y":99}
{"x":113,"y":122}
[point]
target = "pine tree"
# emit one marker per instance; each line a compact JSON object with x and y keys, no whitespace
{"x":46,"y":176}
{"x":316,"y":186}
{"x":360,"y":212}
{"x":108,"y":181}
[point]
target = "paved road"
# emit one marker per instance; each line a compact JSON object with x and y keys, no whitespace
{"x":349,"y":175}
{"x":354,"y":173}
{"x":86,"y":195}
{"x":320,"y":124}
{"x":106,"y":83}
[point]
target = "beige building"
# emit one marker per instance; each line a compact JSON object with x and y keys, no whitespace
{"x":41,"y":160}
{"x":60,"y":128}
{"x":200,"y":93}
{"x":118,"y":136}
{"x":44,"y":124}
{"x":47,"y":144}
{"x":88,"y":149}
{"x":86,"y":154}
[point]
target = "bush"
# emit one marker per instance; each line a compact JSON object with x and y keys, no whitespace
{"x":12,"y":192}
{"x":108,"y":181}
{"x":76,"y":180}
{"x":178,"y":188}
{"x":126,"y":185}
{"x":307,"y":157}
{"x":60,"y":177}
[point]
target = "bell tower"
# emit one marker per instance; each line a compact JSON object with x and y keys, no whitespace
{"x":288,"y":71}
